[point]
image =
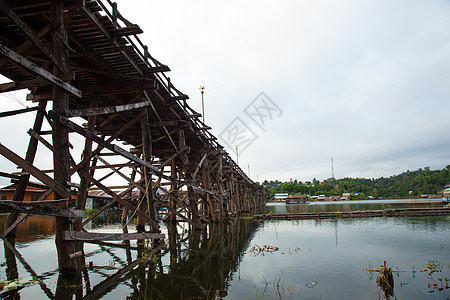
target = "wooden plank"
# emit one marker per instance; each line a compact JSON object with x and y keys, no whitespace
{"x":26,"y":166}
{"x":30,"y":34}
{"x":35,"y":69}
{"x":104,"y":110}
{"x":38,"y":209}
{"x":92,"y":236}
{"x":16,"y":112}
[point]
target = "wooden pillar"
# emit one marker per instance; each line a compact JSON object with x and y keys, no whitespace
{"x":29,"y":157}
{"x":61,"y":156}
{"x":172,"y":217}
{"x":84,"y":180}
{"x":237,"y":195}
{"x":147,"y":156}
{"x":207,"y":185}
{"x":219,"y":179}
{"x":232,"y":193}
{"x":193,"y":206}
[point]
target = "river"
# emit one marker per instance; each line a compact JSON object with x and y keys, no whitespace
{"x":244,"y":259}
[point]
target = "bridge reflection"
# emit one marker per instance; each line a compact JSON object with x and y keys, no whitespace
{"x":189,"y":264}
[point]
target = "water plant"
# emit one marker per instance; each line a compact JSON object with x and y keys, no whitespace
{"x":386,"y":280}
{"x":257,"y":250}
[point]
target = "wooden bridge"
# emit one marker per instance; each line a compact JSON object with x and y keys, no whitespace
{"x":105,"y":88}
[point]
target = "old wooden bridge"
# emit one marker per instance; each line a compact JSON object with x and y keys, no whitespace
{"x":85,"y":60}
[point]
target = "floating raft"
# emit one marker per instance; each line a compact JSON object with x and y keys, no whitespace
{"x":394,"y":212}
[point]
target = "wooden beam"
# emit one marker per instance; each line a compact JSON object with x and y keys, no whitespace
{"x":34,"y":134}
{"x":16,"y":112}
{"x":104,"y":110}
{"x":92,"y":236}
{"x":35,"y":69}
{"x":7,"y":175}
{"x":38,"y":209}
{"x":129,"y":30}
{"x":27,"y":167}
{"x":29,"y":84}
{"x":194,"y":176}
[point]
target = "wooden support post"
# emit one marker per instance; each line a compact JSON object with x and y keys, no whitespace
{"x":29,"y":157}
{"x":207,"y":185}
{"x":219,"y":178}
{"x":84,"y":180}
{"x":193,"y":206}
{"x":171,"y":217}
{"x":61,"y":155}
{"x":147,"y":156}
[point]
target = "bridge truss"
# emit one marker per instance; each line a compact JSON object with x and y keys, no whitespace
{"x":90,"y":77}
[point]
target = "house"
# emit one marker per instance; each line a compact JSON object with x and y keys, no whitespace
{"x":280,"y":197}
{"x":296,"y":199}
{"x":33,"y":192}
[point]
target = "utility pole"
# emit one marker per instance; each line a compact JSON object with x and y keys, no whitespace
{"x":248,"y":170}
{"x":203,"y":103}
{"x":237,"y":156}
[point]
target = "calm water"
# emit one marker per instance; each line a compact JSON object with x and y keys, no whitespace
{"x":244,"y":259}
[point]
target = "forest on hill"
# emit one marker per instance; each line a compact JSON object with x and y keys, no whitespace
{"x":405,"y":185}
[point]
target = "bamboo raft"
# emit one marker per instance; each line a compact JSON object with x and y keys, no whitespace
{"x":394,"y":212}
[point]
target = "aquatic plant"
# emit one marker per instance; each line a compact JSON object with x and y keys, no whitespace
{"x":257,"y":250}
{"x":386,"y":280}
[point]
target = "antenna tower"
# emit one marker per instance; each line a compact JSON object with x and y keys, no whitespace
{"x":332,"y":168}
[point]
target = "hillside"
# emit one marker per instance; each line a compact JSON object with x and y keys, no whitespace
{"x":405,"y":185}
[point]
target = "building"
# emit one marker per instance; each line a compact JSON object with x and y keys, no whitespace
{"x":33,"y":192}
{"x":280,"y":197}
{"x":296,"y":199}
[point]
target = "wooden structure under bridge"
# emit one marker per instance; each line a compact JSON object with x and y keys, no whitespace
{"x":82,"y":60}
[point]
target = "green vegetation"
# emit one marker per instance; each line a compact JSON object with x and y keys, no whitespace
{"x":405,"y":185}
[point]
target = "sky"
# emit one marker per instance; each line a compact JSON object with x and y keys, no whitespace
{"x":296,"y":83}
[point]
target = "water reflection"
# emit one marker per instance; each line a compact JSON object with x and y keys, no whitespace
{"x":189,"y":264}
{"x":327,"y":259}
{"x":344,"y":206}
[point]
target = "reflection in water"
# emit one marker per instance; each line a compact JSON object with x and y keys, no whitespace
{"x":189,"y":264}
{"x":32,"y":228}
{"x":314,"y":259}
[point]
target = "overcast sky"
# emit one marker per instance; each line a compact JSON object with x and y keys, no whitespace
{"x":365,"y":82}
